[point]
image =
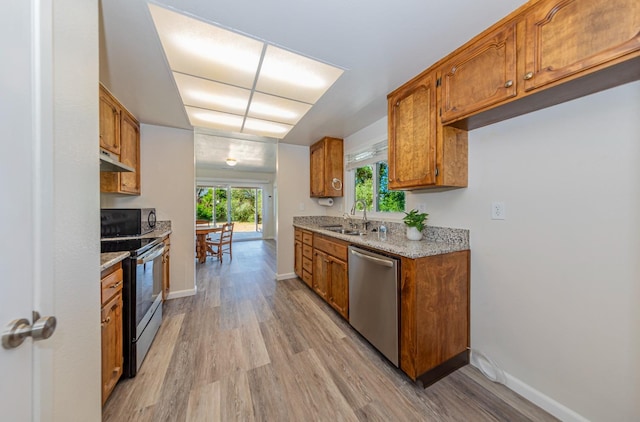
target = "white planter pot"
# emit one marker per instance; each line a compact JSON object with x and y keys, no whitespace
{"x":413,"y":233}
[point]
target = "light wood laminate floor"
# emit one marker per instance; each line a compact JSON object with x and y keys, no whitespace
{"x":247,"y":347}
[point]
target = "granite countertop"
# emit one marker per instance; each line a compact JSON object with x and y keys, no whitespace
{"x":111,"y":258}
{"x":436,"y":240}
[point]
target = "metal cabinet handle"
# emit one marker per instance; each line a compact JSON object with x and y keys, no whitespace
{"x":508,"y":84}
{"x":528,"y":76}
{"x":19,"y":329}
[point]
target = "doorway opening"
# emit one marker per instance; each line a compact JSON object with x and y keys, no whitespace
{"x":231,"y":204}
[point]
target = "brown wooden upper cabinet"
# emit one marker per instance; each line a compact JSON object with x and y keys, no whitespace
{"x":127,"y":136}
{"x":412,"y":133}
{"x":566,"y":38}
{"x":422,"y":155}
{"x":327,"y":168}
{"x":544,"y":53}
{"x":481,"y":75}
{"x":109,"y":122}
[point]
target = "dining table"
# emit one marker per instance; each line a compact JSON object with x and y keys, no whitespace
{"x":202,"y":231}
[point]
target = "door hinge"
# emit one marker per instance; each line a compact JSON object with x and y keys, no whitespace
{"x":437,"y":171}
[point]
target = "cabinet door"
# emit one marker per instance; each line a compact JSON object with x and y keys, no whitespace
{"x":298,"y":258}
{"x":317,"y":170}
{"x":339,"y":286}
{"x":130,"y":153}
{"x":109,"y":122}
{"x":565,"y":37}
{"x":481,"y":75}
{"x":112,"y":357}
{"x":412,"y":134}
{"x":321,"y":274}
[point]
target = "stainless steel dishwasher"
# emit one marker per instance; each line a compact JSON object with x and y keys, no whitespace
{"x":373,"y":299}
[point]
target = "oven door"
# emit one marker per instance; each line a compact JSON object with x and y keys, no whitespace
{"x":148,"y":286}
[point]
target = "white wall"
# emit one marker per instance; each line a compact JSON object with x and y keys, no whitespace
{"x":556,"y":286}
{"x":167,"y":181}
{"x":265,"y":181}
{"x":74,"y":349}
{"x":292,"y":197}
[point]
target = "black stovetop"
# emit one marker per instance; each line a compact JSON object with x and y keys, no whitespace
{"x":135,"y":246}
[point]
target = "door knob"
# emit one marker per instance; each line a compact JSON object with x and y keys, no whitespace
{"x":17,"y":330}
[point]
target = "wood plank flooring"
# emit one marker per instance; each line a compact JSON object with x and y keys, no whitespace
{"x":249,"y":348}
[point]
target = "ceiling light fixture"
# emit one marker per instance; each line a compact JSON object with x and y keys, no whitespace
{"x":231,"y":162}
{"x":233,"y":77}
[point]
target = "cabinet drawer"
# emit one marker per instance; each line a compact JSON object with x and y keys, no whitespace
{"x":298,"y":235}
{"x":307,"y":238}
{"x":307,"y":265}
{"x":332,"y":247}
{"x":307,"y":278}
{"x":111,"y":284}
{"x":307,"y":251}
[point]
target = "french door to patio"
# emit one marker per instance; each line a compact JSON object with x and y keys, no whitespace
{"x":240,"y":205}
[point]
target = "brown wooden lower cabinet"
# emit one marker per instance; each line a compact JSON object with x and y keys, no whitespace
{"x":303,"y":263}
{"x":434,"y":315}
{"x":330,"y":272}
{"x":111,"y":322}
{"x":434,"y":303}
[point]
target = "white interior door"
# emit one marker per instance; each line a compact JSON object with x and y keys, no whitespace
{"x":24,"y":156}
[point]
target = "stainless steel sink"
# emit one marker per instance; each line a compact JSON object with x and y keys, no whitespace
{"x":343,"y":231}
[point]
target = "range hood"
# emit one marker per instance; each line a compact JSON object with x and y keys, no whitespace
{"x":110,"y":162}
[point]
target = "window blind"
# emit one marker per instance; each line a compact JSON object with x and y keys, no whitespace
{"x":370,"y":155}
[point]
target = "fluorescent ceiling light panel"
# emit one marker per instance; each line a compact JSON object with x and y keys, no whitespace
{"x":232,"y":82}
{"x":211,"y":95}
{"x":214,"y":119}
{"x":277,"y":109}
{"x":293,"y":76}
{"x":197,"y":48}
{"x":265,"y":128}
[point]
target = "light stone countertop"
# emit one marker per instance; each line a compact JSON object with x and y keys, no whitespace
{"x":436,"y":240}
{"x":111,"y":258}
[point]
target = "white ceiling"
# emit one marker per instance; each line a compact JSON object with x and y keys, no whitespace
{"x":381,"y":44}
{"x":252,"y":155}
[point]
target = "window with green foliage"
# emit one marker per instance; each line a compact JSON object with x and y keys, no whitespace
{"x":372,"y":185}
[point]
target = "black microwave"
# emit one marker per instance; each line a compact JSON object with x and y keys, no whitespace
{"x":119,"y":222}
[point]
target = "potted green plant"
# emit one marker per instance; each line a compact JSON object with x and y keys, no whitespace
{"x":414,"y":221}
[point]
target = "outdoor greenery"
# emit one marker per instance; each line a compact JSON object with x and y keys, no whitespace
{"x":243,"y":204}
{"x":387,"y":201}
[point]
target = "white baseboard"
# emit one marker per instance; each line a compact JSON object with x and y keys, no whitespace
{"x":557,"y":409}
{"x":182,"y":293}
{"x":285,"y":276}
{"x":538,"y":398}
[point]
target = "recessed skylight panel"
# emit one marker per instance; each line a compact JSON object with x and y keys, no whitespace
{"x":211,"y":95}
{"x":224,"y":84}
{"x":291,"y":75}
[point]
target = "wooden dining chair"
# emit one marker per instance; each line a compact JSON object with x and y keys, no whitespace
{"x":222,"y":243}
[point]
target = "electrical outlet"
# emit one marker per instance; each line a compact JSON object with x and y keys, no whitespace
{"x":498,"y":211}
{"x":422,"y":207}
{"x":301,"y":206}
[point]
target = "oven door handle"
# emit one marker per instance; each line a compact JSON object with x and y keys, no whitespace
{"x":151,"y":255}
